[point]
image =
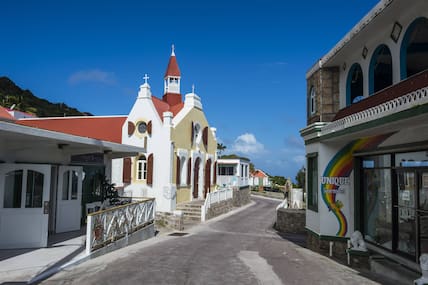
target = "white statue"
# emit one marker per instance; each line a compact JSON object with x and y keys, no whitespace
{"x":424,"y":268}
{"x":358,"y":242}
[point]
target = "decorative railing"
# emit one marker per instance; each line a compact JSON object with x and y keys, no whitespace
{"x":215,"y":197}
{"x":232,"y":180}
{"x":410,"y":100}
{"x":106,"y":226}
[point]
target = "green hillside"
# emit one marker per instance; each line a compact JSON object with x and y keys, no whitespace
{"x":25,"y":101}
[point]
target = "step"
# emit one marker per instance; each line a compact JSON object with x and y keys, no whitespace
{"x":393,"y":271}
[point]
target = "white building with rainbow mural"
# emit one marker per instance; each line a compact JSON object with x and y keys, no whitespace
{"x":367,"y":136}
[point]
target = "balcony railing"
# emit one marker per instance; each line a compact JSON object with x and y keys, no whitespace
{"x":402,"y":96}
{"x":104,"y":227}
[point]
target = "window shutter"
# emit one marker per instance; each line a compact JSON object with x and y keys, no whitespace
{"x":131,"y":128}
{"x":150,"y":169}
{"x":192,"y":133}
{"x":205,"y":137}
{"x":126,"y":174}
{"x":178,"y":172}
{"x":215,"y":173}
{"x":149,"y":127}
{"x":189,"y":170}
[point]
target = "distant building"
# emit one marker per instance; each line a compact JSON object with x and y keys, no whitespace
{"x":259,"y":179}
{"x":366,"y":135}
{"x":233,"y":172}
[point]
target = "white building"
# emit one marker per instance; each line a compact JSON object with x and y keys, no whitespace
{"x":233,"y":172}
{"x":367,"y":132}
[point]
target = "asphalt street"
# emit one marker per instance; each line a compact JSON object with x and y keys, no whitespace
{"x":238,"y":248}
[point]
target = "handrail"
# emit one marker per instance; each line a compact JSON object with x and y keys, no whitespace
{"x":215,"y":197}
{"x":106,"y":226}
{"x":119,"y":207}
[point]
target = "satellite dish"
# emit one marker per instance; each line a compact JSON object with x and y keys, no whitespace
{"x":12,"y":107}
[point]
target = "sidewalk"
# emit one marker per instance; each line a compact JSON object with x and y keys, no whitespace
{"x":24,"y":266}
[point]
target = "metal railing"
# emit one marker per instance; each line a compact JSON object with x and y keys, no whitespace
{"x":215,"y":197}
{"x":106,"y":226}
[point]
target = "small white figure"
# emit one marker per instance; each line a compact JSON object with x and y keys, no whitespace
{"x":358,"y":242}
{"x":424,"y":268}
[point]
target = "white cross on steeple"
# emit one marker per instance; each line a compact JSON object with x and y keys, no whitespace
{"x":146,"y":77}
{"x":193,"y":88}
{"x":173,"y":50}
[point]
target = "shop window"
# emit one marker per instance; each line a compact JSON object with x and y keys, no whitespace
{"x":313,"y":182}
{"x":380,"y":72}
{"x":34,"y":194}
{"x":377,"y":200}
{"x":414,"y":48}
{"x":354,"y":84}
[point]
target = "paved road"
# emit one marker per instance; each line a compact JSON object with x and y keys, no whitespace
{"x":239,"y":249}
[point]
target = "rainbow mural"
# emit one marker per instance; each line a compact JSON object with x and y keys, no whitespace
{"x":337,"y":173}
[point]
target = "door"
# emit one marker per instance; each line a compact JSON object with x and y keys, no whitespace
{"x":207,"y":182}
{"x":24,"y":205}
{"x":69,"y":199}
{"x":196,"y":178}
{"x":407,"y":219}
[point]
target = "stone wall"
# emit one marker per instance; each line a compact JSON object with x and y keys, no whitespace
{"x":241,"y":196}
{"x":219,"y":208}
{"x":290,"y":220}
{"x":326,"y":84}
{"x":322,"y":246}
{"x":169,"y":220}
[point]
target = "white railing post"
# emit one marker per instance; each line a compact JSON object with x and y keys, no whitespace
{"x":89,"y":234}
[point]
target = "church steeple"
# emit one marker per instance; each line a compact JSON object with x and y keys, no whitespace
{"x":172,"y":79}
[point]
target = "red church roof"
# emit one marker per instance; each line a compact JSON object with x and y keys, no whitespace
{"x":101,"y":128}
{"x":172,"y":69}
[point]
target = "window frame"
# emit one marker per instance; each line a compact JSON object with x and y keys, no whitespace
{"x":141,"y":168}
{"x":312,"y":164}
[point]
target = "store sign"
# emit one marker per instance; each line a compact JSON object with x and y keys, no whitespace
{"x":340,"y":184}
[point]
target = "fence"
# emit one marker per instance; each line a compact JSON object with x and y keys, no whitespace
{"x":215,"y":197}
{"x":109,"y":225}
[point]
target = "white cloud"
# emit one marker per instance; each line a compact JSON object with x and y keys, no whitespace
{"x":248,"y":144}
{"x":92,"y":75}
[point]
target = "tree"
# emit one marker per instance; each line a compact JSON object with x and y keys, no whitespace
{"x":300,"y":178}
{"x":221,"y":147}
{"x":252,"y":168}
{"x":278,"y":180}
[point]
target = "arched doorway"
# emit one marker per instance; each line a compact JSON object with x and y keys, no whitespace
{"x":207,"y":181}
{"x":196,"y":178}
{"x":354,"y":84}
{"x":414,"y":48}
{"x":380,"y":72}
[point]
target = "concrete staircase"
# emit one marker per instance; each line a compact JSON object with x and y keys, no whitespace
{"x":191,"y":211}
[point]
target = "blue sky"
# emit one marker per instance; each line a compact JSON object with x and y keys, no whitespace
{"x":247,"y":59}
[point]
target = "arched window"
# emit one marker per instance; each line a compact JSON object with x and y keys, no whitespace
{"x":312,"y":101}
{"x":142,"y":168}
{"x":354,"y":84}
{"x":414,"y":48}
{"x":380,"y":72}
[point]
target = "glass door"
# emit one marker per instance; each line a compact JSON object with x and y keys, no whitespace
{"x":422,"y":212}
{"x":406,"y":204}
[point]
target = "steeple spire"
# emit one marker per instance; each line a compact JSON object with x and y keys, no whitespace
{"x":172,"y":79}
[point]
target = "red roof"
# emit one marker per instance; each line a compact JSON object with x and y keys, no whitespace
{"x":259,"y":173}
{"x":161,"y":106}
{"x":172,"y":69}
{"x":100,"y":128}
{"x":4,"y":114}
